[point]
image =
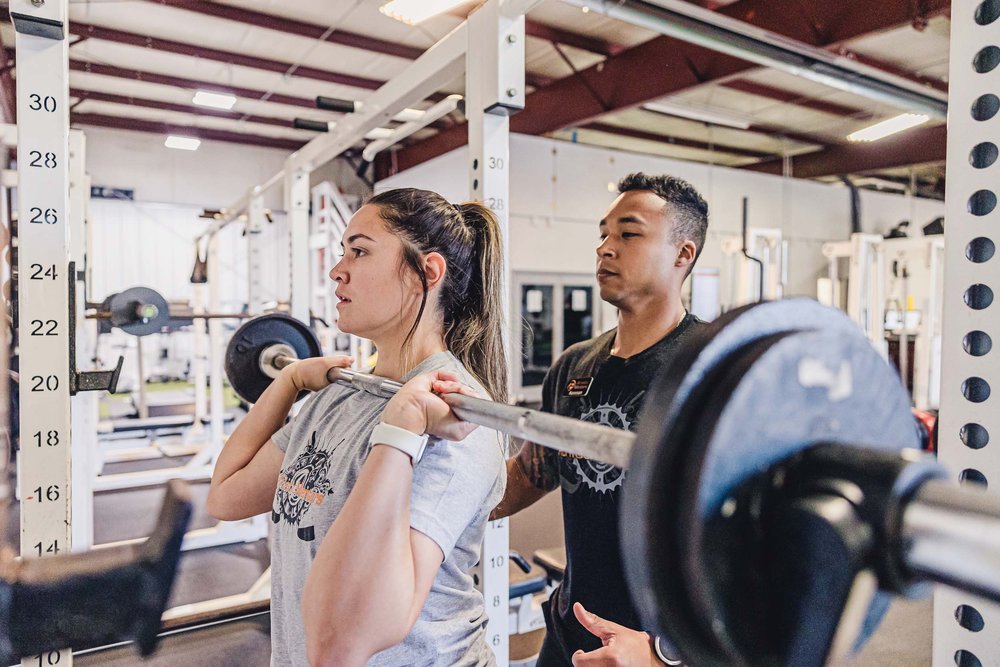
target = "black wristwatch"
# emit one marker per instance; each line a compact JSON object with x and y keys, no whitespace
{"x":664,"y":658}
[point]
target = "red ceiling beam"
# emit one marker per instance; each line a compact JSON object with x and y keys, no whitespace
{"x":670,"y":66}
{"x":789,"y":97}
{"x":634,"y":133}
{"x":89,"y":31}
{"x":354,"y":40}
{"x":576,"y":40}
{"x":190,"y":84}
{"x":914,"y":147}
{"x":228,"y":57}
{"x":936,"y":84}
{"x":97,"y":96}
{"x":121,"y":123}
{"x":296,"y":27}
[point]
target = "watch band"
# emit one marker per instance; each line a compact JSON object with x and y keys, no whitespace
{"x":663,"y":656}
{"x":399,"y":438}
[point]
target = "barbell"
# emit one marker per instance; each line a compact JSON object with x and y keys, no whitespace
{"x":776,"y":498}
{"x":141,"y":311}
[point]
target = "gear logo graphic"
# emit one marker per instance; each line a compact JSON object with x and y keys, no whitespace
{"x":599,"y":476}
{"x":303,"y":483}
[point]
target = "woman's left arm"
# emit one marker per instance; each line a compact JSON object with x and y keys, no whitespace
{"x":372,"y":573}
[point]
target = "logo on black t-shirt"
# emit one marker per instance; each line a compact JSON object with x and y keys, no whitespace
{"x":303,"y":484}
{"x":598,"y":476}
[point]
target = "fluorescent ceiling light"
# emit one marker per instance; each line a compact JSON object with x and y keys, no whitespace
{"x":182,"y":143}
{"x":703,"y":114}
{"x":903,"y":121}
{"x":414,"y":11}
{"x":214,"y":100}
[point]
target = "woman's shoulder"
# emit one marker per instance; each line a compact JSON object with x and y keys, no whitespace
{"x":446,"y":361}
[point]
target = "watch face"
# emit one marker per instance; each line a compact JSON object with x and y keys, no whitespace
{"x":662,"y":656}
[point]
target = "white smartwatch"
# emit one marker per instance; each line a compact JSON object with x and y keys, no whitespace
{"x":400,"y":438}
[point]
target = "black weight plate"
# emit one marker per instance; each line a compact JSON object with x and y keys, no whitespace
{"x":123,"y":314}
{"x":765,"y":382}
{"x":249,"y":342}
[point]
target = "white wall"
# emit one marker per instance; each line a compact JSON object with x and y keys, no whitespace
{"x":148,"y":244}
{"x":214,"y":176}
{"x":559,"y":190}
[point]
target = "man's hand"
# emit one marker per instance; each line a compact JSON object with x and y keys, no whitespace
{"x":418,"y":408}
{"x":623,"y":647}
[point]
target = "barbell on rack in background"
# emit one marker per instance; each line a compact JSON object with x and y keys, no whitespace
{"x":776,"y":499}
{"x":141,"y":311}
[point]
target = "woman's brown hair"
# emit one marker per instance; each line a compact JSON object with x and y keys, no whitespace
{"x":468,"y":237}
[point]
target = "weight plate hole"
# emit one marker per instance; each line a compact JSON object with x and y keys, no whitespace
{"x":972,"y":476}
{"x":986,"y":13}
{"x":974,"y":436}
{"x":976,"y":389}
{"x":985,"y":107}
{"x":969,"y":618}
{"x":982,"y":202}
{"x":977,"y":343}
{"x":987,"y":59}
{"x":978,"y":297}
{"x":980,"y":249}
{"x":983,"y":155}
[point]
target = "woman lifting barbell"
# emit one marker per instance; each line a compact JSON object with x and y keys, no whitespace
{"x":373,"y":544}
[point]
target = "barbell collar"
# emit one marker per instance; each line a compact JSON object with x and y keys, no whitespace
{"x":145,"y":312}
{"x":275,"y":357}
{"x":951,"y":535}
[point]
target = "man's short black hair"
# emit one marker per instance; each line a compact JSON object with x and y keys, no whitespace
{"x":689,"y":208}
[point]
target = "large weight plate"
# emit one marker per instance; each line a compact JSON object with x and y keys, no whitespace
{"x":249,"y":342}
{"x":761,"y":384}
{"x":123,"y":311}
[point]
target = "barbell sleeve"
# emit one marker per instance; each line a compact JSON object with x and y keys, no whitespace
{"x":951,"y":535}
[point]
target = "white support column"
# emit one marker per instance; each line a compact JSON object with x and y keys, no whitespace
{"x":43,"y":287}
{"x":85,"y":403}
{"x":966,"y":627}
{"x":255,"y":261}
{"x":494,"y":83}
{"x":215,"y":348}
{"x":199,"y":333}
{"x":297,"y":206}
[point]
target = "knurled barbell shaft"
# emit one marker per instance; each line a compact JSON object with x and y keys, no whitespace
{"x":586,"y":439}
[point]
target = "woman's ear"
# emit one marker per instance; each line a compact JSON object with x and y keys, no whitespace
{"x":435,"y":268}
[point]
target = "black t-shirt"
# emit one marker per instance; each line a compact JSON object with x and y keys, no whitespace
{"x":591,"y":490}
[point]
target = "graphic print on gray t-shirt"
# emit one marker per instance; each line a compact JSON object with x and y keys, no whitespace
{"x":303,"y":484}
{"x":455,"y":486}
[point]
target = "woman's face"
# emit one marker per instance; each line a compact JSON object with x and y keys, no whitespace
{"x":378,"y":294}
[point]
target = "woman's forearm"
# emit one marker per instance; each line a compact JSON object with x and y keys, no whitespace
{"x":264,"y":419}
{"x":361,"y":596}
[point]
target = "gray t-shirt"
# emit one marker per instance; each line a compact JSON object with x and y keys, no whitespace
{"x":455,"y":486}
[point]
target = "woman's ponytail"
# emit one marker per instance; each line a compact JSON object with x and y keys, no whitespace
{"x":474,"y":333}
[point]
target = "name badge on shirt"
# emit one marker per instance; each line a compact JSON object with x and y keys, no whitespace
{"x":579,"y":386}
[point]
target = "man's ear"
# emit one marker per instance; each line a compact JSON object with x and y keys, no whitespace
{"x":435,"y":268}
{"x":686,"y":254}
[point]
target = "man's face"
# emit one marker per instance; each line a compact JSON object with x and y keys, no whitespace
{"x":635,"y":258}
